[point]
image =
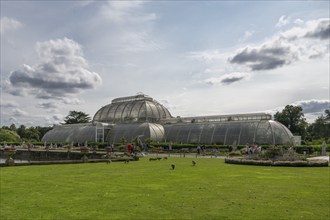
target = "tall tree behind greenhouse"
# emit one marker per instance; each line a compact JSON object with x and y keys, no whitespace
{"x":293,"y":118}
{"x":320,"y":129}
{"x":77,"y":117}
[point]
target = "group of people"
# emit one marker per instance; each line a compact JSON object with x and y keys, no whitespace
{"x":200,"y":149}
{"x":252,"y":149}
{"x":132,"y":149}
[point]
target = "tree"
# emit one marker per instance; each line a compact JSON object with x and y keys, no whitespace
{"x":293,"y":118}
{"x":76,"y":117}
{"x":8,"y":136}
{"x":32,"y":134}
{"x":321,"y":127}
{"x":43,"y":130}
{"x":21,"y":131}
{"x":13,"y":127}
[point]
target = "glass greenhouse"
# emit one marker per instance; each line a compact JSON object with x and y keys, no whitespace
{"x":142,"y":117}
{"x":132,"y":109}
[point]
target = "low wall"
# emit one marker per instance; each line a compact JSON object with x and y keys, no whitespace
{"x":52,"y":162}
{"x":43,"y":155}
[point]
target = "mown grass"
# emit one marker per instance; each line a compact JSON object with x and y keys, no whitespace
{"x":151,"y":190}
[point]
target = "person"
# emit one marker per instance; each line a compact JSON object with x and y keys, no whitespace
{"x":129,"y":148}
{"x":204,"y":149}
{"x":198,"y":150}
{"x":247,"y":148}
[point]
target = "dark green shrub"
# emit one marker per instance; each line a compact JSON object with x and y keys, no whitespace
{"x":235,"y":153}
{"x":273,"y":152}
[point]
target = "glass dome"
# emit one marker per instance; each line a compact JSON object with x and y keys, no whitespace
{"x":132,"y":109}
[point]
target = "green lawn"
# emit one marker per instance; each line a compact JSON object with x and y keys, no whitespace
{"x":151,"y":190}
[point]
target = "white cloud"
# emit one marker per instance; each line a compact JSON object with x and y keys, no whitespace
{"x":129,"y":26}
{"x":62,"y":70}
{"x":8,"y":104}
{"x":13,"y":120}
{"x":317,"y":29}
{"x":19,"y":112}
{"x":9,"y":24}
{"x":208,"y":55}
{"x":247,"y":35}
{"x":48,"y":105}
{"x":72,"y":101}
{"x":307,"y":42}
{"x":58,"y":117}
{"x":298,"y":21}
{"x":126,"y":11}
{"x":282,"y":21}
{"x":313,"y":106}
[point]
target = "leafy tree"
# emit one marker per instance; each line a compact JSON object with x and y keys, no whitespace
{"x":43,"y":130}
{"x":8,"y":136}
{"x":76,"y":117}
{"x":6,"y":127}
{"x":32,"y":134}
{"x":327,"y":113}
{"x":21,"y":131}
{"x":321,"y":127}
{"x":293,"y":118}
{"x":13,"y":127}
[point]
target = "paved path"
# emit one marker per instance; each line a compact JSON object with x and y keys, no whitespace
{"x":189,"y":155}
{"x":222,"y":157}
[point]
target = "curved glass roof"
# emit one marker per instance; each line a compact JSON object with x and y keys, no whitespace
{"x":131,"y":131}
{"x":132,"y":109}
{"x":71,"y":133}
{"x":241,"y":132}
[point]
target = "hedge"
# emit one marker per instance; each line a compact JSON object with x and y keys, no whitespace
{"x":299,"y":163}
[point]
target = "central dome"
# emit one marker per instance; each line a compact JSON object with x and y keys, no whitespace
{"x":139,"y":108}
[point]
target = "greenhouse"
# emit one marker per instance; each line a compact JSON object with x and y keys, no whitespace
{"x":144,"y":118}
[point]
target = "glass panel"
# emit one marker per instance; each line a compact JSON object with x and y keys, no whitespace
{"x":264,"y":133}
{"x":206,"y":134}
{"x":119,"y":112}
{"x":247,"y":132}
{"x":139,"y":112}
{"x":157,"y":132}
{"x":195,"y":132}
{"x":281,"y":133}
{"x":220,"y":133}
{"x":233,"y":133}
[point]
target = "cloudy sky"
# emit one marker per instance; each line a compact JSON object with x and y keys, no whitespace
{"x":194,"y":57}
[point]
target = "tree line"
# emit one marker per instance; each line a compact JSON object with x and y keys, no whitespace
{"x":291,"y":116}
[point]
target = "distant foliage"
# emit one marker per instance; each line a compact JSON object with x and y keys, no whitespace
{"x":27,"y":134}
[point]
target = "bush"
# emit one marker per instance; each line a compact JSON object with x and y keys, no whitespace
{"x":9,"y":136}
{"x":235,"y":153}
